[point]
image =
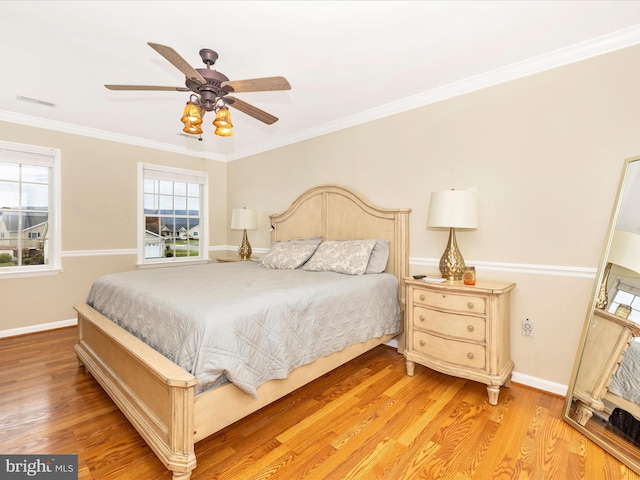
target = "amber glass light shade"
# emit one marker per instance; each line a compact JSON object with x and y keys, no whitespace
{"x":223,"y":132}
{"x":191,"y":115}
{"x":192,"y":129}
{"x":191,"y":119}
{"x":223,"y":118}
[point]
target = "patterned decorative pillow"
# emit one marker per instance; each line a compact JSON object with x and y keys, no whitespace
{"x":287,"y":256}
{"x":379,"y":256}
{"x":341,"y":256}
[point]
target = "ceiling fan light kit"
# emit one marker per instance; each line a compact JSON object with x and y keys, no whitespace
{"x":191,"y":114}
{"x":192,"y":129}
{"x":210,"y":92}
{"x":223,"y":122}
{"x":223,"y":132}
{"x":223,"y":118}
{"x":192,"y":119}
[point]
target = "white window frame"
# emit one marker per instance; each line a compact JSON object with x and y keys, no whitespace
{"x":630,"y":286}
{"x":147,"y":170}
{"x":41,"y":156}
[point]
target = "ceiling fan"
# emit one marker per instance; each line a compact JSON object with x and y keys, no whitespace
{"x":210,"y":92}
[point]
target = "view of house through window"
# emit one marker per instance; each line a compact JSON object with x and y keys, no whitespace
{"x":26,"y":208}
{"x":627,"y":296}
{"x":173,"y":213}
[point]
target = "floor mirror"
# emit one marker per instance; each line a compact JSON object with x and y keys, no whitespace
{"x":603,"y":399}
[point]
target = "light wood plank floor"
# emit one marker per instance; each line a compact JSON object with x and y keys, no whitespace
{"x":366,"y":420}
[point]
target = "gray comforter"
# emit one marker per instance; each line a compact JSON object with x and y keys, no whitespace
{"x":626,"y":381}
{"x":246,"y":323}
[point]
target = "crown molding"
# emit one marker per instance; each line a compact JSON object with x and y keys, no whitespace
{"x":580,"y":51}
{"x":39,"y":122}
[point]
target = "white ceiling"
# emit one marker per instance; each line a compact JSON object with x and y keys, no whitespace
{"x":348,"y":62}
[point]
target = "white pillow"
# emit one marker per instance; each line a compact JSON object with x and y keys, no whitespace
{"x":287,"y":256}
{"x":341,"y":256}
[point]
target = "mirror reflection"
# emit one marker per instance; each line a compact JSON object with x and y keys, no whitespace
{"x":603,"y":401}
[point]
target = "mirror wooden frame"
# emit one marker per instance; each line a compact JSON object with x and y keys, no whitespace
{"x":578,"y":409}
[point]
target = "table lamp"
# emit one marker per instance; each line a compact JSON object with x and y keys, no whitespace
{"x":244,"y":219}
{"x":453,"y":209}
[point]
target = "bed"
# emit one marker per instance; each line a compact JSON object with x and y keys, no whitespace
{"x":159,"y":396}
{"x":626,"y":380}
{"x":624,"y":390}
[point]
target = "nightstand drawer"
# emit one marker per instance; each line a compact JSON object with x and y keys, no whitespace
{"x":450,"y":324}
{"x":461,"y":303}
{"x":458,"y":353}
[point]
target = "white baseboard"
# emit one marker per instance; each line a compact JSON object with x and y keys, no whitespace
{"x":540,"y":384}
{"x":520,"y":378}
{"x":38,"y":328}
{"x":392,"y":343}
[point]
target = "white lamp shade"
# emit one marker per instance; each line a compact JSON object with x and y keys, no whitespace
{"x":625,"y":250}
{"x":453,"y":208}
{"x":244,"y":219}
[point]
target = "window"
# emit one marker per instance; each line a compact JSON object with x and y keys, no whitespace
{"x":29,"y":210}
{"x":173,"y":215}
{"x":626,"y":292}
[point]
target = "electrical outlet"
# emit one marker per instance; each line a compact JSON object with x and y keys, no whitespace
{"x":528,"y":328}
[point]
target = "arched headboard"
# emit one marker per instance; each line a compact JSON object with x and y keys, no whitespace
{"x":337,"y":213}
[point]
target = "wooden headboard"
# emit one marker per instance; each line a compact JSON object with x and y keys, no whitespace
{"x":337,"y":213}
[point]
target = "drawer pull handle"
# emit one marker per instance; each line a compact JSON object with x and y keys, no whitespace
{"x":470,"y":328}
{"x":470,"y":356}
{"x":421,"y":318}
{"x":470,"y":305}
{"x":421,"y":342}
{"x":421,"y":297}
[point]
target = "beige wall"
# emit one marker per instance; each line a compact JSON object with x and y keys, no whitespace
{"x":545,"y":153}
{"x":99,"y":198}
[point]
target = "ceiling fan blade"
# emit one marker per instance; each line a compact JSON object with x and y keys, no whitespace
{"x":177,"y":61}
{"x":265,"y":84}
{"x":250,"y":110}
{"x":147,"y":87}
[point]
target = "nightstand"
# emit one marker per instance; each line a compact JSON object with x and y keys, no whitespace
{"x":460,"y":330}
{"x":231,"y":258}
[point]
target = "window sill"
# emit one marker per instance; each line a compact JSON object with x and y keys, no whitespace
{"x":173,"y":263}
{"x":36,"y":272}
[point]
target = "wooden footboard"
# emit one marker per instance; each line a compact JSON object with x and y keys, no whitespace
{"x":155,"y":394}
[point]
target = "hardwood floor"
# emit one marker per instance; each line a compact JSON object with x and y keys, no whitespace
{"x":366,"y":420}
